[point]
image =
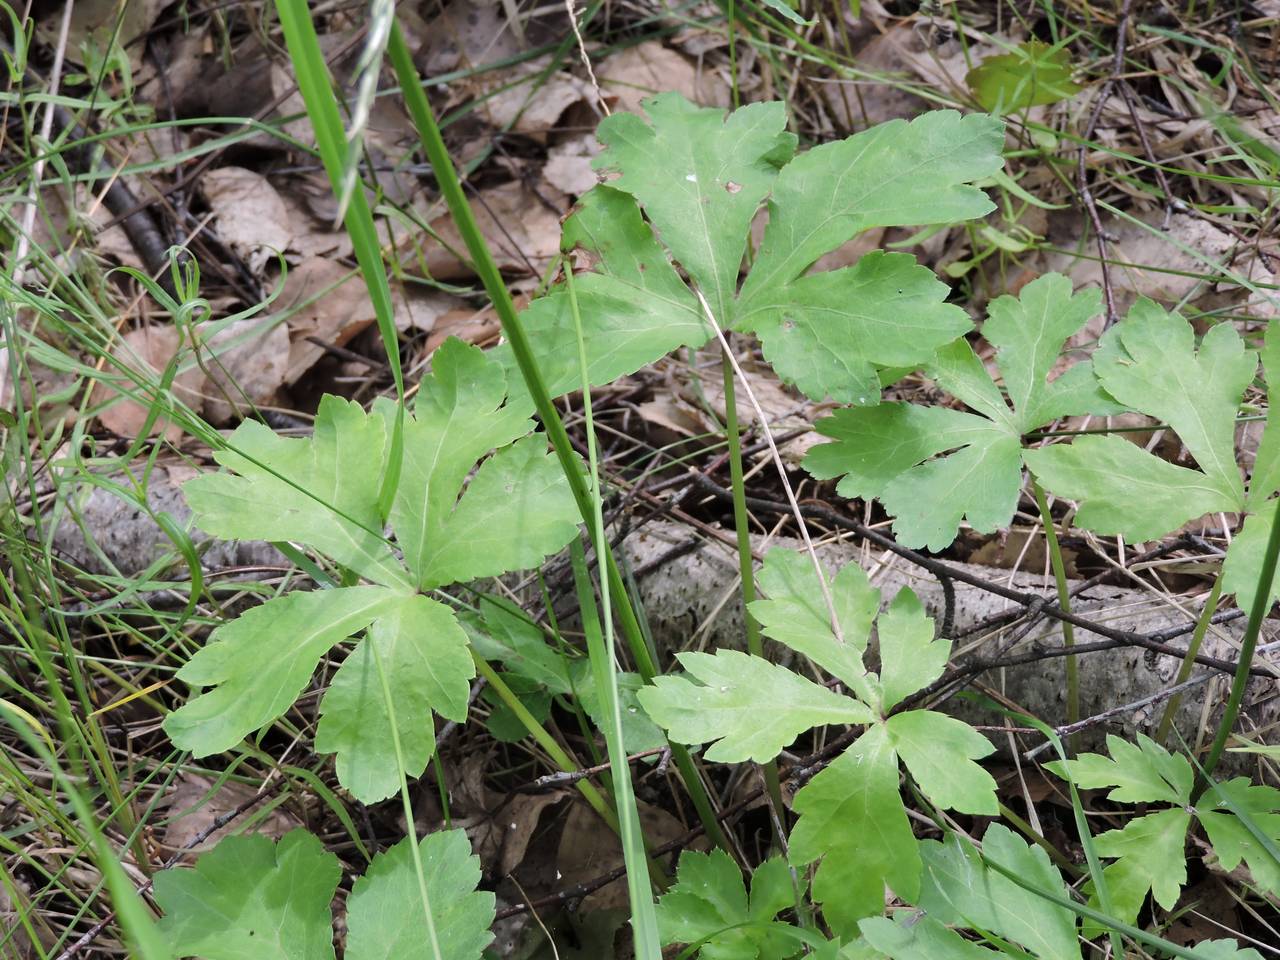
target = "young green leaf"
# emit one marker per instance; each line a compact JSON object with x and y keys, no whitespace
{"x":830,"y":332}
{"x":1222,"y":811}
{"x":1265,"y":479}
{"x":709,"y":902}
{"x":1224,"y":950}
{"x":1150,"y":857}
{"x":1149,"y":362}
{"x":959,"y":889}
{"x":700,"y":178}
{"x":920,"y":938}
{"x":750,"y":707}
{"x":940,"y":751}
{"x":827,"y":333}
{"x":796,"y":614}
{"x":852,"y":819}
{"x":910,"y":658}
{"x":1242,"y":569}
{"x":886,"y":451}
{"x":249,"y":898}
{"x":259,"y":663}
{"x":384,"y":911}
{"x":634,"y":306}
{"x":1142,"y":772}
{"x":514,"y":511}
{"x":423,"y":656}
{"x":1032,"y":74}
{"x":500,"y":633}
{"x":316,"y":491}
{"x":639,"y":732}
{"x":894,"y":174}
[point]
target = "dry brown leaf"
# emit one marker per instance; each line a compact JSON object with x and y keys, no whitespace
{"x":193,"y":808}
{"x":312,"y":236}
{"x":250,"y":217}
{"x":470,"y":326}
{"x":525,"y":102}
{"x":899,"y":55}
{"x":674,"y":413}
{"x":465,"y":34}
{"x":638,"y":72}
{"x":784,"y":411}
{"x":148,"y":350}
{"x":1132,"y":244}
{"x":247,"y":362}
{"x":589,"y":849}
{"x":523,"y":233}
{"x":332,"y":304}
{"x":420,"y":310}
{"x":95,"y":22}
{"x":568,"y":166}
{"x":500,"y":840}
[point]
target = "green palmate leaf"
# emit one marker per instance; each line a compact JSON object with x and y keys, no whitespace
{"x":709,"y":903}
{"x":725,"y":706}
{"x":259,"y":663}
{"x":886,"y":451}
{"x":796,"y":614}
{"x":454,"y":522}
{"x":1149,"y":858}
{"x":1034,"y":73}
{"x":249,"y":898}
{"x":1223,"y":812}
{"x":920,"y":938}
{"x":959,"y":889}
{"x":384,"y":911}
{"x":315,"y":491}
{"x":940,"y":751}
{"x":1126,"y":490}
{"x":639,"y":732}
{"x":424,"y":658}
{"x":700,"y":178}
{"x":1224,"y":950}
{"x":516,"y":508}
{"x":910,"y":658}
{"x":852,"y":819}
{"x":828,"y":333}
{"x":1266,"y":465}
{"x":1243,"y":567}
{"x":895,"y":174}
{"x":1149,"y":362}
{"x":1142,"y":772}
{"x":503,"y":634}
{"x":634,"y":306}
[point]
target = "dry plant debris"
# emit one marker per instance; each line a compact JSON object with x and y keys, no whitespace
{"x":1170,"y":147}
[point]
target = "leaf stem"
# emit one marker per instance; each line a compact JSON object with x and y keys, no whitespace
{"x":746,"y":568}
{"x":451,"y":189}
{"x":406,"y":802}
{"x":1188,"y":662}
{"x":561,"y":757}
{"x":1064,"y":600}
{"x":1261,"y":604}
{"x":602,"y":650}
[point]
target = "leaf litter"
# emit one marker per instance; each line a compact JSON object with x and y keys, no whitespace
{"x":520,"y":205}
